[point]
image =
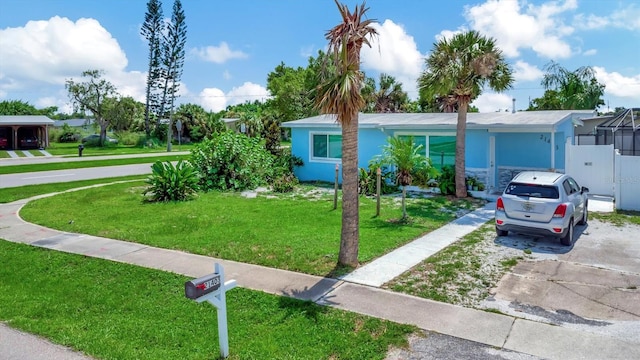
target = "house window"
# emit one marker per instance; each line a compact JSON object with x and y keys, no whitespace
{"x":441,"y":148}
{"x":326,"y":146}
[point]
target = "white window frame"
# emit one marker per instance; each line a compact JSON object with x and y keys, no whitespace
{"x":425,"y":134}
{"x":323,"y":159}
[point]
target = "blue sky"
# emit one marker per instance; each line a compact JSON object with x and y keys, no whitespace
{"x":232,"y":45}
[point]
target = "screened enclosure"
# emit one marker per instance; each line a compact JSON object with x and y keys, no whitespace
{"x":623,"y":131}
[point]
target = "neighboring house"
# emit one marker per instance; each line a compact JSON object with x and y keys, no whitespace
{"x":231,"y":123}
{"x":74,"y":123}
{"x":498,"y":145}
{"x":621,"y":130}
{"x":25,"y":131}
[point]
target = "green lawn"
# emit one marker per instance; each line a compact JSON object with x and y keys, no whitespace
{"x":14,"y":169}
{"x":110,"y":310}
{"x":22,"y":192}
{"x":291,"y":232}
{"x":71,"y":149}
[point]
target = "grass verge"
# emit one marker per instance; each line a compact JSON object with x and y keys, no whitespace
{"x":23,"y":192}
{"x":298,"y":232}
{"x":15,"y":169}
{"x":618,"y":217}
{"x":461,"y":273}
{"x":118,"y":311}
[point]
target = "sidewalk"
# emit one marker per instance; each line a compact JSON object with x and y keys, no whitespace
{"x":55,"y":159}
{"x":348,"y":293}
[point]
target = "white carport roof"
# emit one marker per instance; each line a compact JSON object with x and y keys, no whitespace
{"x":7,"y":120}
{"x":496,"y":122}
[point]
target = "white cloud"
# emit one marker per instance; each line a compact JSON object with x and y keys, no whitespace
{"x":539,"y":28}
{"x":394,"y":52}
{"x":626,"y":18}
{"x":226,"y":75}
{"x":618,"y":84}
{"x":52,"y":50}
{"x":526,"y":72}
{"x":247,"y":92}
{"x":214,"y":99}
{"x":590,"y":52}
{"x":39,"y":57}
{"x":492,"y":102}
{"x":590,"y":22}
{"x":218,"y":54}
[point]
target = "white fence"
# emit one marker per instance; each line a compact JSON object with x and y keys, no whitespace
{"x":627,"y":189}
{"x":605,"y":172}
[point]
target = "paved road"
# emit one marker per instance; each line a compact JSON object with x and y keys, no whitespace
{"x":44,"y":177}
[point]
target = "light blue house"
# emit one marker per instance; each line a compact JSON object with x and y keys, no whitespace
{"x":498,"y":145}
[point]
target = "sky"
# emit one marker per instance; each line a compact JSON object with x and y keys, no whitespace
{"x":232,"y":45}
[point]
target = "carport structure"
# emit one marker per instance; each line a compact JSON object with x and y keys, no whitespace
{"x":14,"y":128}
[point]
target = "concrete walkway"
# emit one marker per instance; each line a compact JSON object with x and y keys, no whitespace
{"x":497,"y":330}
{"x":393,"y":264}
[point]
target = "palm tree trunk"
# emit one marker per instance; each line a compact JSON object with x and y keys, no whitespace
{"x":404,"y":203}
{"x":461,"y":127}
{"x":349,"y":236}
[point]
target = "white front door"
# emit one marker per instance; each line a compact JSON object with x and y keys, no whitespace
{"x":492,"y":163}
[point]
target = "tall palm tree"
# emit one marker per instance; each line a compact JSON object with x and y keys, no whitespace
{"x":340,"y":95}
{"x":461,"y":67}
{"x":578,"y":89}
{"x":388,"y":97}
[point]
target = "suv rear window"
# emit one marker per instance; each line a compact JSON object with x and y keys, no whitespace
{"x":533,"y":190}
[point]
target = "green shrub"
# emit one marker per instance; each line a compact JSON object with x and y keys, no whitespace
{"x":447,"y":180}
{"x":232,"y":161}
{"x":285,"y":183}
{"x":149,"y":143}
{"x":67,"y":134}
{"x":172,"y":183}
{"x":368,"y":180}
{"x":130,"y":138}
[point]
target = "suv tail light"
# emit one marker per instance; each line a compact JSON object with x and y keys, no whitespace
{"x":499,"y":205}
{"x":561,"y":210}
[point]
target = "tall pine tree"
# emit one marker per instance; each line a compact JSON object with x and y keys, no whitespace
{"x":152,"y":32}
{"x":172,"y":62}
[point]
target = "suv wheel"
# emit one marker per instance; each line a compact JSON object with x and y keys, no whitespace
{"x":583,"y":221}
{"x":567,"y":239}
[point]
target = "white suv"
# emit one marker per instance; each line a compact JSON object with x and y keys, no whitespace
{"x":542,"y":203}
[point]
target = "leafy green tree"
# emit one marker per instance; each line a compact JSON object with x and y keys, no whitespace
{"x":387,"y":97}
{"x":569,"y":90}
{"x":405,"y":156}
{"x":172,"y":59}
{"x":340,"y":95}
{"x":93,"y":95}
{"x":123,"y":112}
{"x":17,"y":107}
{"x":460,"y":68}
{"x":291,"y":97}
{"x":151,"y":30}
{"x":197,"y":123}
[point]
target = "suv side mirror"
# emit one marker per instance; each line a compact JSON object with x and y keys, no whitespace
{"x":584,"y":190}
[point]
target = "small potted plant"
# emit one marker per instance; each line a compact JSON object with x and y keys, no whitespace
{"x":471,"y":182}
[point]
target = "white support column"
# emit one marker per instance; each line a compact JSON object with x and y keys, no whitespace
{"x":553,"y":149}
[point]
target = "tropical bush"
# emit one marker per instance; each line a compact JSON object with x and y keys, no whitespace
{"x":232,"y":161}
{"x":447,"y":180}
{"x":67,"y":134}
{"x":368,"y":179}
{"x":172,"y":183}
{"x":285,"y":183}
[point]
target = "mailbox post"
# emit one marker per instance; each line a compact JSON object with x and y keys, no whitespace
{"x":212,"y":288}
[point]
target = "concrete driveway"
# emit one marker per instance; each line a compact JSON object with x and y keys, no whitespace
{"x":594,"y":284}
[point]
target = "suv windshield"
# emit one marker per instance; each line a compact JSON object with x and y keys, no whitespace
{"x":533,"y":190}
